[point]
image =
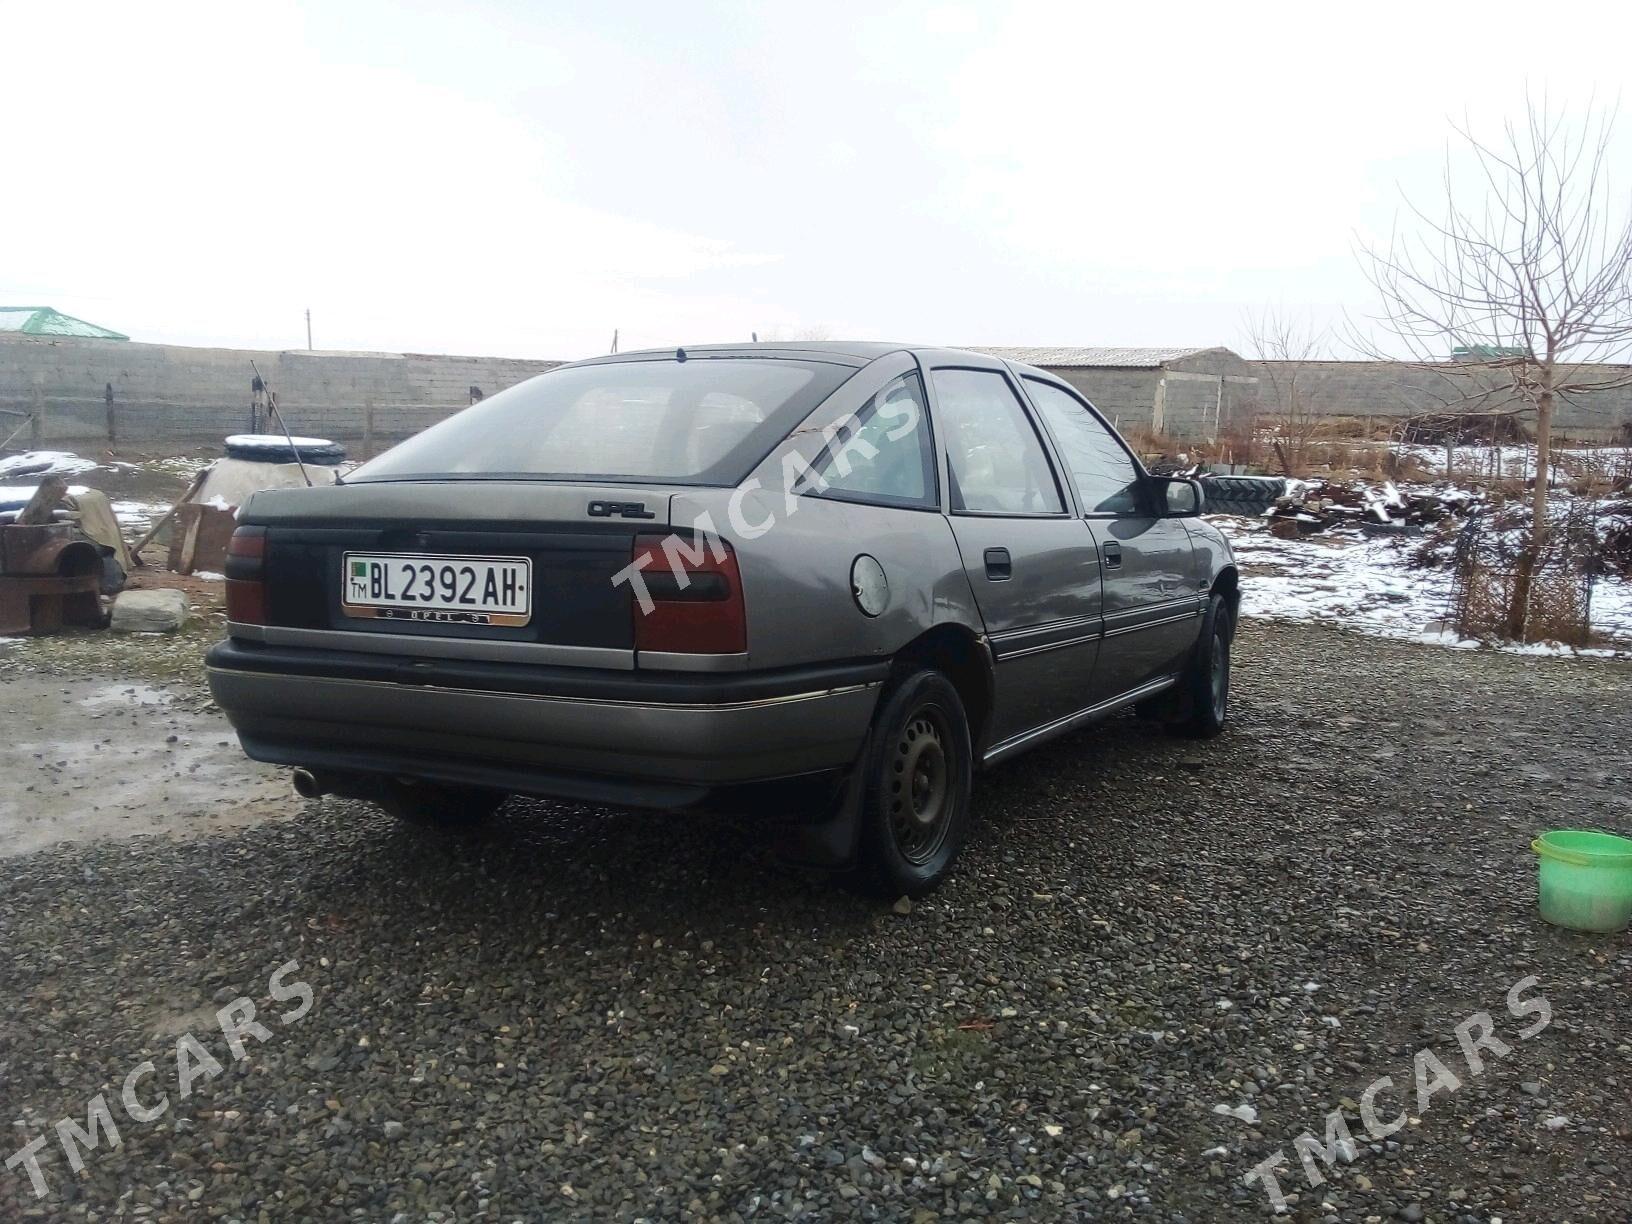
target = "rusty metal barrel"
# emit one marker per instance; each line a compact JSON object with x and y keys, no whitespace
{"x":49,"y":577}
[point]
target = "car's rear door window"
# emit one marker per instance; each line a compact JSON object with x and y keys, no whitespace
{"x":699,"y":421}
{"x":998,"y":464}
{"x":885,"y":454}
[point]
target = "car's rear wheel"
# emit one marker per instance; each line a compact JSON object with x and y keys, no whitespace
{"x":915,"y":786}
{"x":1207,"y":679}
{"x":438,"y":805}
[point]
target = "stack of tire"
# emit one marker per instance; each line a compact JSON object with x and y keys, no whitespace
{"x":1244,"y":495}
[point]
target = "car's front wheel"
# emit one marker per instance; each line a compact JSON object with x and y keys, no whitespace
{"x":1208,"y":676}
{"x":915,"y":786}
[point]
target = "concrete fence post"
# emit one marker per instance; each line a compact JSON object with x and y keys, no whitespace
{"x":107,"y":398}
{"x":36,"y":423}
{"x":368,"y":429}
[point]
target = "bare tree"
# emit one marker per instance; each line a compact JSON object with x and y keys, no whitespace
{"x":1286,"y":346}
{"x":1530,"y":284}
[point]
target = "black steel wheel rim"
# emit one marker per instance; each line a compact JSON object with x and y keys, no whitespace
{"x":918,"y":787}
{"x":1220,"y":674}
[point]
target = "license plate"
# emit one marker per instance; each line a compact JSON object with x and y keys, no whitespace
{"x":439,"y":589}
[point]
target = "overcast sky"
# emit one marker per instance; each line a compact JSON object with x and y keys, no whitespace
{"x":520,"y":179}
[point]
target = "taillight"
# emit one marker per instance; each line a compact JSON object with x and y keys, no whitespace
{"x":246,"y":588}
{"x":694,"y":592}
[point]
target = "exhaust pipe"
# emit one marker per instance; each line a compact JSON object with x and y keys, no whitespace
{"x":306,"y":784}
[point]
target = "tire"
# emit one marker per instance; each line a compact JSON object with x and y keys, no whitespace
{"x":1241,"y":494}
{"x":1248,"y":488}
{"x":914,"y":788}
{"x":1241,"y":509}
{"x":439,"y":806}
{"x":326,"y":454}
{"x":1205,"y":686}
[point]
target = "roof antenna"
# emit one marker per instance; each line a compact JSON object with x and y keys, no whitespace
{"x":679,"y":354}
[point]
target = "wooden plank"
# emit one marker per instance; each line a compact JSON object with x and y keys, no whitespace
{"x":136,"y":553}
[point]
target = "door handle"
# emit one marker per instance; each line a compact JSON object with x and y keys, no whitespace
{"x":998,"y":566}
{"x":1111,"y":552}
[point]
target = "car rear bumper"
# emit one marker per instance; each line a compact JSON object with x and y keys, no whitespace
{"x":653,"y":740}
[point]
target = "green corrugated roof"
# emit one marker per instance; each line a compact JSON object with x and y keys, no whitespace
{"x":43,"y":321}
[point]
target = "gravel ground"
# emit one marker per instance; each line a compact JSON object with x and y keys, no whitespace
{"x":587,"y":1014}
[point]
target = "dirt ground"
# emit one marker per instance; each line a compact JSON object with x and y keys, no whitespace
{"x":580,"y":1013}
{"x":86,"y":760}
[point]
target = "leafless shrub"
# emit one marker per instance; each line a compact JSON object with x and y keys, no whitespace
{"x":1493,"y":554}
{"x":1286,"y":346}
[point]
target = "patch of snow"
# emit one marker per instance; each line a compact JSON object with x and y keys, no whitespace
{"x":1329,"y":576}
{"x":136,"y":513}
{"x":1519,"y":462}
{"x":274,"y":441}
{"x":182,"y":466}
{"x":209,"y":576}
{"x":1612,"y":605}
{"x":46,"y":463}
{"x":1244,"y":1113}
{"x":15,"y":497}
{"x":1368,"y":584}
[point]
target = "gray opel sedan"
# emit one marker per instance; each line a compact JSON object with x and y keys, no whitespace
{"x":821,"y":583}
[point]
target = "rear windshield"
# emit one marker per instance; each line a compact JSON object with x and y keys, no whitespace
{"x":705,"y":421}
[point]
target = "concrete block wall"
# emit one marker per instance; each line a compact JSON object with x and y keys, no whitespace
{"x":1126,"y":398}
{"x":172,"y":395}
{"x":1385,"y":389}
{"x":1191,"y":409}
{"x":169,"y":395}
{"x":1207,"y":393}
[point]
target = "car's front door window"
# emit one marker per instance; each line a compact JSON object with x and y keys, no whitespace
{"x":1107,"y":481}
{"x":998,"y":462}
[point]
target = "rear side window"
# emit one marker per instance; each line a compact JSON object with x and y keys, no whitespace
{"x":886,"y":455}
{"x":703,"y":421}
{"x":998,"y":462}
{"x":1106,"y":480}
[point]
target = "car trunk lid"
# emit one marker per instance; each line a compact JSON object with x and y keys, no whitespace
{"x":432,"y":567}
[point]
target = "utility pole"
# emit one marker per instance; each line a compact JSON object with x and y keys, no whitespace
{"x":308,"y":329}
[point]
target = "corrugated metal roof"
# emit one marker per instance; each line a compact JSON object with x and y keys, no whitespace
{"x":1111,"y":358}
{"x":44,"y":321}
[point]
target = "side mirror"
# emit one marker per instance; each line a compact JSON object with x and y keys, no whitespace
{"x":1181,"y":497}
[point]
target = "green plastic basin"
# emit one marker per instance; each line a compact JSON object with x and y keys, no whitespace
{"x":1585,"y":879}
